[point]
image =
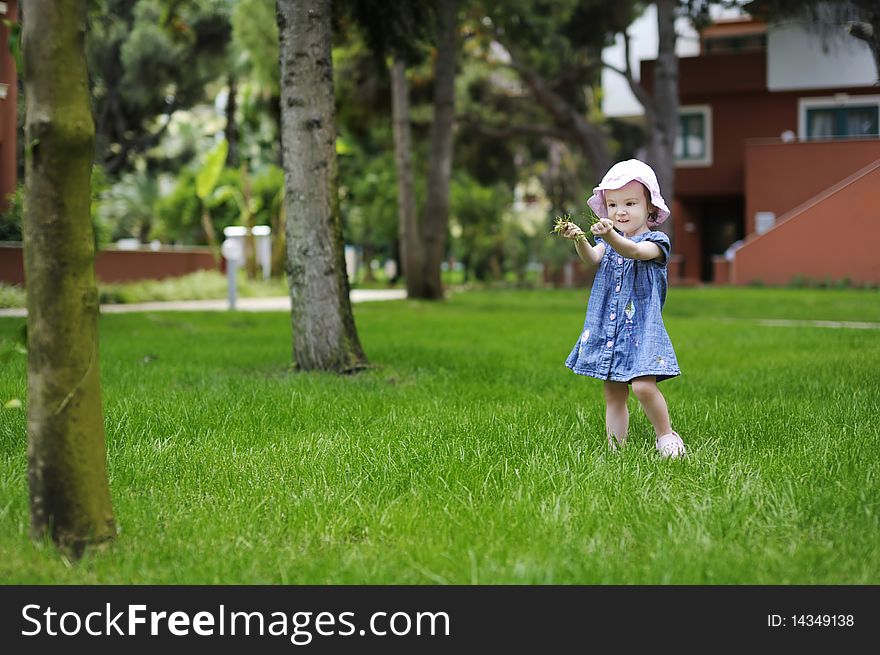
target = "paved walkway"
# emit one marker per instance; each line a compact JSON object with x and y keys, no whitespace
{"x":276,"y":304}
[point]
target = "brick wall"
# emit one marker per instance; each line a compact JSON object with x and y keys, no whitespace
{"x":121,"y":265}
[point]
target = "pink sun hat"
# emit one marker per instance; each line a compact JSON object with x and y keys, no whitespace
{"x":621,"y":174}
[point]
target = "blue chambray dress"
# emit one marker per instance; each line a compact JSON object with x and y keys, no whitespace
{"x":624,"y":336}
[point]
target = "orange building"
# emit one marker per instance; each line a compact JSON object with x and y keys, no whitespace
{"x":778,"y":137}
{"x":8,"y":100}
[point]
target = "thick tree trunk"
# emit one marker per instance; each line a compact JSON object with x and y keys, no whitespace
{"x":663,"y":121}
{"x":67,"y":467}
{"x":411,"y":259}
{"x":324,"y":333}
{"x":436,"y":222}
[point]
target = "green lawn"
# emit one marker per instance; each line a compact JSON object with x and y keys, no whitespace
{"x":469,"y":454}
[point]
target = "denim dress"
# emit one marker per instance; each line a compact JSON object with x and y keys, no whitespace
{"x":624,"y":336}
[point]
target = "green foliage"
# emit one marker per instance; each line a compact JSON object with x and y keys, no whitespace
{"x":148,"y":56}
{"x":11,"y":219}
{"x":11,"y":296}
{"x":201,"y":285}
{"x":14,"y":44}
{"x":488,"y":158}
{"x":255,"y":43}
{"x":392,"y":29}
{"x":363,"y":93}
{"x":554,"y":254}
{"x":146,"y":59}
{"x":128,"y":207}
{"x":368,"y":198}
{"x":267,"y":191}
{"x":209,"y":172}
{"x":489,"y":242}
{"x":226,"y":208}
{"x":556,"y":37}
{"x":255,"y":68}
{"x":799,"y":281}
{"x":99,"y":183}
{"x":179,"y":212}
{"x":552,"y":48}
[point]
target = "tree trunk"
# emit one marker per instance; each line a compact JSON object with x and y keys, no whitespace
{"x":67,"y":461}
{"x":411,"y":259}
{"x":368,"y":260}
{"x":324,"y":333}
{"x":279,"y":242}
{"x":231,"y":129}
{"x":250,"y":241}
{"x":436,"y":222}
{"x":210,"y":233}
{"x":663,"y":122}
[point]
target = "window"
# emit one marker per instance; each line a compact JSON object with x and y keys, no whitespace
{"x":840,"y":117}
{"x":693,"y":143}
{"x":716,"y":45}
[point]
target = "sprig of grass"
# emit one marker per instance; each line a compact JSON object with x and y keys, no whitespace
{"x":563,"y":222}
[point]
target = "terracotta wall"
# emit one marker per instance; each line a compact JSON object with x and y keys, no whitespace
{"x":735,"y":86}
{"x":801,"y":244}
{"x":747,"y":121}
{"x":729,"y":73}
{"x":11,"y":264}
{"x":121,"y":265}
{"x":780,"y":176}
{"x":686,"y":240}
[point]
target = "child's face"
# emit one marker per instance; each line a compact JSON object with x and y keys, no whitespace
{"x":628,"y":208}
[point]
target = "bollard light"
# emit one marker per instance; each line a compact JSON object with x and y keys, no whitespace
{"x":232,"y":250}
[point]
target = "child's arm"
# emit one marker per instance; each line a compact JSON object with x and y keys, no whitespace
{"x":644,"y":250}
{"x":590,"y":255}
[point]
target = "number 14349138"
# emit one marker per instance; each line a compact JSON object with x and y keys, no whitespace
{"x":810,"y":621}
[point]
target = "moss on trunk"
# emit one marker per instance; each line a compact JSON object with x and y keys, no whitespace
{"x":67,"y":468}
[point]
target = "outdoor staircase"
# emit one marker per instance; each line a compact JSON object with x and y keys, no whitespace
{"x":833,"y":236}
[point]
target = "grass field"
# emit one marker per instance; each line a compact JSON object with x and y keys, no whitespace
{"x":470,"y":455}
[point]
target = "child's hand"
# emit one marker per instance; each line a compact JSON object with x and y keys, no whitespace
{"x":571,"y":231}
{"x":602,"y":227}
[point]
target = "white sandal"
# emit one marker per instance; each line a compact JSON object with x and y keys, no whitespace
{"x":671,"y":445}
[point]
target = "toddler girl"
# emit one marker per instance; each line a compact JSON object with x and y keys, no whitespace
{"x":624,"y":341}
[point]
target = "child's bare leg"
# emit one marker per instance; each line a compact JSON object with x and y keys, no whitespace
{"x":616,"y":412}
{"x":653,"y":402}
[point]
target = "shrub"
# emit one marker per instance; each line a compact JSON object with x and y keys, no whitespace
{"x":10,"y":220}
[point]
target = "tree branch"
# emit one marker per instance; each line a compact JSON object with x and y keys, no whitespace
{"x":592,"y":139}
{"x":635,"y":86}
{"x":515,"y":129}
